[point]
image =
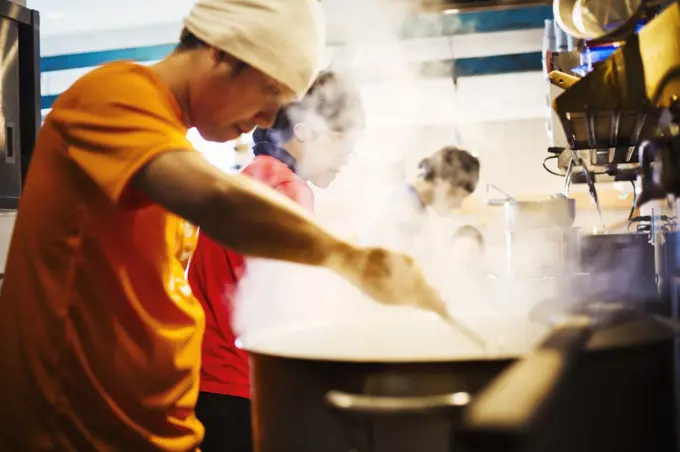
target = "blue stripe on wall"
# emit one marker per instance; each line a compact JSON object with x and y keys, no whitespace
{"x":475,"y":22}
{"x":91,"y":59}
{"x":464,"y":67}
{"x":416,"y":27}
{"x":490,"y":21}
{"x":498,"y":64}
{"x":47,"y":101}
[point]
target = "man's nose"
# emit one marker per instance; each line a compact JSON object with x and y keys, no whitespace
{"x":266,"y":119}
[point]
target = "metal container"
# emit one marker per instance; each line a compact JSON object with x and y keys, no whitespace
{"x":549,"y":213}
{"x":317,"y":389}
{"x":539,"y":239}
{"x":541,"y":252}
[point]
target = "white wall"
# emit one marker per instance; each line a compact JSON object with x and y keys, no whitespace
{"x":499,"y":117}
{"x":417,"y":102}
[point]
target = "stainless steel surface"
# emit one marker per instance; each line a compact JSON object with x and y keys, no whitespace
{"x":16,"y":11}
{"x":10,"y":120}
{"x":547,"y":213}
{"x":475,"y":5}
{"x":490,"y":187}
{"x":366,"y":404}
{"x":19,"y":97}
{"x":612,"y":413}
{"x":567,"y":177}
{"x":595,"y":19}
{"x":592,"y":191}
{"x":619,"y":103}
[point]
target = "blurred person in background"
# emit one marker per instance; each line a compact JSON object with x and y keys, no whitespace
{"x":462,"y":273}
{"x":310,"y":140}
{"x":468,"y":256}
{"x":102,"y":335}
{"x":445,"y":179}
{"x":468,"y":244}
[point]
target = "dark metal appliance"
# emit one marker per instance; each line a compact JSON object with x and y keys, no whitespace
{"x":610,"y":395}
{"x":20,"y":97}
{"x":626,"y":112}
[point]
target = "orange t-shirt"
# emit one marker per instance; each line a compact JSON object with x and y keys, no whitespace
{"x":101,"y":337}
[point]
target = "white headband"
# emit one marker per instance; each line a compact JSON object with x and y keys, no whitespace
{"x":284,"y":39}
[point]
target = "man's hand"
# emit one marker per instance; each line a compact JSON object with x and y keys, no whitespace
{"x":391,"y":278}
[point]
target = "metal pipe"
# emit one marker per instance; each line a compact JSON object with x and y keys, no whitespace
{"x":452,"y":7}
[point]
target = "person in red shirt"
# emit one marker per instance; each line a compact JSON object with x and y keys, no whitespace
{"x":310,"y":141}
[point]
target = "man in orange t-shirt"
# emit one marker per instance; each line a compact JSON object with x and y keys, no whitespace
{"x":101,"y":334}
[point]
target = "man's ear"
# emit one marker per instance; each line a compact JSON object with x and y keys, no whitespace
{"x":302,"y":132}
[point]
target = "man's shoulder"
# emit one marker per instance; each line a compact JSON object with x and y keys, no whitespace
{"x":269,"y":170}
{"x":120,"y":95}
{"x":277,"y":175}
{"x":121,"y":80}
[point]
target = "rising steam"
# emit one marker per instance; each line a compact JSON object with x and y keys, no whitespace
{"x":279,"y":295}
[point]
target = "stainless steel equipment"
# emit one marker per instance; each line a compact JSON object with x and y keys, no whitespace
{"x":624,"y":114}
{"x":587,"y":387}
{"x":539,"y":238}
{"x":20,"y":97}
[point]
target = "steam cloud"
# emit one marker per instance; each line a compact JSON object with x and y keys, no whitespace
{"x":275,"y":295}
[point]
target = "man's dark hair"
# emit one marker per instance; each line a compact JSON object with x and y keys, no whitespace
{"x":331,"y":98}
{"x":189,"y":41}
{"x":454,"y":165}
{"x":470,"y":232}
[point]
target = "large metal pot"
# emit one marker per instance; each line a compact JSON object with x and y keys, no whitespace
{"x":404,"y":385}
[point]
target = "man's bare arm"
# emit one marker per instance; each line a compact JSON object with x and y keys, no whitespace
{"x":255,"y":220}
{"x":239,"y":212}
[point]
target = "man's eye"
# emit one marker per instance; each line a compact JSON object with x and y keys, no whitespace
{"x":275,"y":90}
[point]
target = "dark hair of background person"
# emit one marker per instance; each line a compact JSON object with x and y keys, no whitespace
{"x":469,"y":232}
{"x":457,"y":166}
{"x":331,"y":98}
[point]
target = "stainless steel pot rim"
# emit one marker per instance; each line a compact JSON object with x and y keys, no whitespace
{"x":308,"y":343}
{"x":431,"y":359}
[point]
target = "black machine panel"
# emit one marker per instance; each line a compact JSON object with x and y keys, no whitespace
{"x":19,"y":97}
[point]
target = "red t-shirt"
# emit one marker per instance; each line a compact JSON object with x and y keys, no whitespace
{"x":214,"y":273}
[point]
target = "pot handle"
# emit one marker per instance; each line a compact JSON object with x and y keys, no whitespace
{"x":511,"y":406}
{"x":378,"y":405}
